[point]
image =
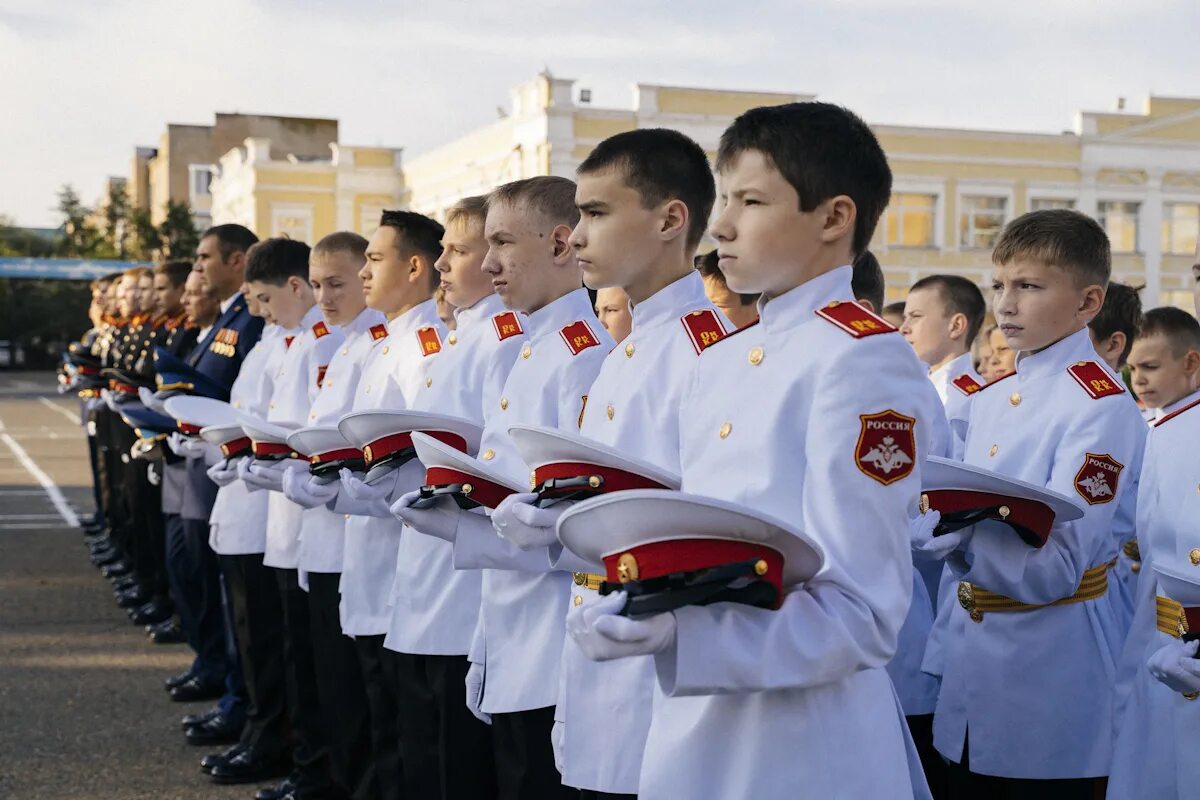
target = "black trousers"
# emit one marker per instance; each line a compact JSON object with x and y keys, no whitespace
{"x":310,"y":740}
{"x":148,"y":552}
{"x":447,"y":752}
{"x":962,"y":784}
{"x":920,"y":726}
{"x":340,"y":686}
{"x":525,"y":758}
{"x":196,"y":590}
{"x":378,"y":678}
{"x":257,"y":615}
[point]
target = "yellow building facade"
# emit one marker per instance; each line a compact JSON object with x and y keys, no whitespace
{"x":954,"y":189}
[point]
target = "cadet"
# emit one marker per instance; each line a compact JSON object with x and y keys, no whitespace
{"x":820,"y":415}
{"x":515,"y":654}
{"x":612,"y":309}
{"x":1114,"y":328}
{"x":1165,"y":360}
{"x":738,"y":307}
{"x":1065,"y":422}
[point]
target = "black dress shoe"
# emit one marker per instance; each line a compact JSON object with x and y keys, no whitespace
{"x":103,"y":536}
{"x":109,"y":555}
{"x":100,"y":545}
{"x":248,"y":767}
{"x":117,"y":569}
{"x":199,"y":717}
{"x":210,"y":761}
{"x":220,"y":729}
{"x":178,"y":680}
{"x":133,"y":597}
{"x":124,"y":582}
{"x":151,"y":613}
{"x":167,"y":633}
{"x":277,"y":792}
{"x":194,"y":689}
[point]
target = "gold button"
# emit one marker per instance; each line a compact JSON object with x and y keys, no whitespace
{"x":428,"y":382}
{"x":467,"y":488}
{"x":489,"y":454}
{"x":580,"y":578}
{"x":578,"y":600}
{"x":595,"y":481}
{"x":992,"y":452}
{"x":347,"y":516}
{"x":611,"y":411}
{"x":1015,"y":399}
{"x":1194,"y":556}
{"x":627,"y":568}
{"x":503,"y":403}
{"x":1135,"y":567}
{"x":346,"y":352}
{"x":452,"y":339}
{"x":725,"y":429}
{"x":1004,"y":512}
{"x":526,"y":351}
{"x":272,"y":405}
{"x":756,"y":356}
{"x":1081,"y":363}
{"x":760,"y":567}
{"x":385,"y":349}
{"x":629,"y":350}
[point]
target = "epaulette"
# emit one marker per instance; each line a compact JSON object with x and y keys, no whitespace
{"x":578,"y":337}
{"x":1177,"y":412}
{"x":854,"y":319}
{"x":429,"y":340}
{"x":378,"y":332}
{"x":507,"y":324}
{"x":1095,"y":380}
{"x":966,"y":384}
{"x":704,"y":328}
{"x":320,"y":329}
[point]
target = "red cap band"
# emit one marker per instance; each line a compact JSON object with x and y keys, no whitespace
{"x":656,"y":559}
{"x":481,"y":491}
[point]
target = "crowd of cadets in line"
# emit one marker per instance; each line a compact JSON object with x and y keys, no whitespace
{"x":361,"y":643}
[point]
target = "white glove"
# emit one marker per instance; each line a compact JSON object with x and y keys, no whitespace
{"x":603,"y":635}
{"x":439,"y":520}
{"x":245,"y":476}
{"x":920,"y":531}
{"x":186,"y":446}
{"x":223,"y":473}
{"x":263,"y":474}
{"x":521,"y":522}
{"x":373,"y":498}
{"x":1175,"y":665}
{"x":301,"y":489}
{"x":475,"y":693}
{"x":556,"y":741}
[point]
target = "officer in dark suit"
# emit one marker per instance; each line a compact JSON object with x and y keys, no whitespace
{"x":220,"y":264}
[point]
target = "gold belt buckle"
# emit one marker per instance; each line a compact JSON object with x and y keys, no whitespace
{"x":966,"y":599}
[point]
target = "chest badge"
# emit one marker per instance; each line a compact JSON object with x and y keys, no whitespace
{"x":1097,"y":480}
{"x":886,"y":448}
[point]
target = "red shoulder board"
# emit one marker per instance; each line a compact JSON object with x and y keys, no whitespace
{"x":703,"y":328}
{"x":378,"y":332}
{"x":579,"y":337}
{"x":507,"y":325}
{"x":854,"y":319}
{"x":320,"y":329}
{"x":1095,"y":380}
{"x":430,"y":341}
{"x":1177,"y":412}
{"x":966,"y":384}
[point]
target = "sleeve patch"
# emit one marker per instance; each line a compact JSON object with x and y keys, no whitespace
{"x":1096,"y":481}
{"x":320,"y":329}
{"x":854,"y":319}
{"x":887,"y":446}
{"x":430,"y":342}
{"x":704,"y":328}
{"x":966,"y":384}
{"x":578,"y":337}
{"x":378,"y":332}
{"x":1095,"y":380}
{"x":507,"y":325}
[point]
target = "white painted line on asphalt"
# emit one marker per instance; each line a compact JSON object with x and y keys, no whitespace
{"x":52,"y":490}
{"x":56,"y":408}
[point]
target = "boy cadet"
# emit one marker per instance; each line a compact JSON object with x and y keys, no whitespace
{"x":333,"y":274}
{"x":867,"y":282}
{"x":517,"y":646}
{"x":612,"y":309}
{"x":1062,"y":421}
{"x":398,"y":281}
{"x":644,"y":199}
{"x":1165,"y":360}
{"x":738,"y":307}
{"x":827,"y":416}
{"x":446,"y":751}
{"x":1115,"y":327}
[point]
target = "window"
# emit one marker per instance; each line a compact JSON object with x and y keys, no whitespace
{"x":909,"y":220}
{"x":1180,"y":228}
{"x":1120,"y":221}
{"x":1046,"y":203}
{"x":199,"y":180}
{"x":980,"y":221}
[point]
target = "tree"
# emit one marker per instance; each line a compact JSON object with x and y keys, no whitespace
{"x":116,"y":221}
{"x":15,"y":241}
{"x":79,"y":237}
{"x":144,"y":241}
{"x":177,"y":232}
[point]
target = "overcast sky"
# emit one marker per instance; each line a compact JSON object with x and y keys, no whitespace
{"x":83,"y":83}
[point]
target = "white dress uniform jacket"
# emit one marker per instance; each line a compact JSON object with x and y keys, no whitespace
{"x":1156,"y":728}
{"x":394,"y":369}
{"x":634,"y":407}
{"x":799,"y":417}
{"x":294,"y":389}
{"x":1034,"y":688}
{"x":322,"y":532}
{"x":238,"y":525}
{"x":519,"y":637}
{"x":434,"y":606}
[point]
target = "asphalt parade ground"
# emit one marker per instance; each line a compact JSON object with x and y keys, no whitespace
{"x":83,"y":713}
